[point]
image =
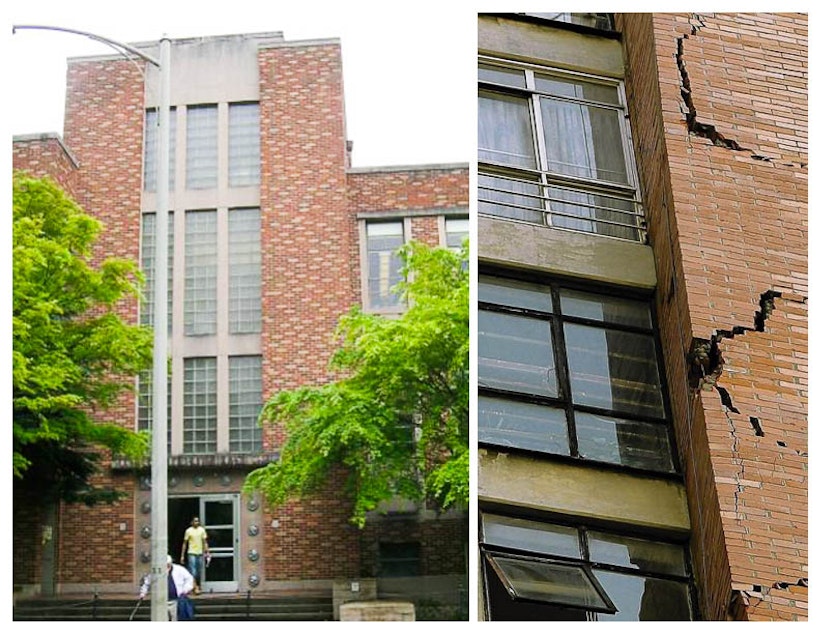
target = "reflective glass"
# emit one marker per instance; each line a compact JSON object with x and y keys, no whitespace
{"x":515,"y":353}
{"x":606,"y":308}
{"x":613,"y":370}
{"x":522,"y":425}
{"x":507,"y":292}
{"x":641,"y":599}
{"x":640,"y":554}
{"x":623,"y":442}
{"x":547,"y":581}
{"x":529,"y":535}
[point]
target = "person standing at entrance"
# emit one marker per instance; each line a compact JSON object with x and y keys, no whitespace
{"x":195,"y":543}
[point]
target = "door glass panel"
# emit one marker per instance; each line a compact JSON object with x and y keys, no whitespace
{"x":218,"y":518}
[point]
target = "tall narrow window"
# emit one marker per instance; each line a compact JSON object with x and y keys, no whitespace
{"x":200,"y":273}
{"x":243,"y":144}
{"x":245,"y":404}
{"x":554,"y":150}
{"x":145,"y":402}
{"x":148,"y":259}
{"x":199,"y":409}
{"x":201,"y":150}
{"x":151,"y":158}
{"x":245,"y":264}
{"x":383,"y":263}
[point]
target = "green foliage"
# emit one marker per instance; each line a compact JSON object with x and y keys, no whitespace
{"x":404,"y":378}
{"x":71,"y":352}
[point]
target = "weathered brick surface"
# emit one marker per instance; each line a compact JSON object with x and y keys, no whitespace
{"x":46,"y":156}
{"x":310,"y":270}
{"x":727,"y":216}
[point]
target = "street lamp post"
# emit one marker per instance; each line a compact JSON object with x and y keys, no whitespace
{"x":159,"y":431}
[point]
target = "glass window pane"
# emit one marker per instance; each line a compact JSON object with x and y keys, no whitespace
{"x":383,"y":263}
{"x":640,"y":554}
{"x":505,"y":130}
{"x":245,"y":379}
{"x":503,"y":76}
{"x":148,"y":266}
{"x":151,"y":140}
{"x":593,"y":213}
{"x":583,"y":141}
{"x":642,"y":599}
{"x":605,"y":308}
{"x":613,"y":370}
{"x":245,"y":271}
{"x":549,"y":582}
{"x":516,"y":198}
{"x":243,"y":144}
{"x":508,"y":292}
{"x":531,"y":536}
{"x":515,"y":353}
{"x":456,"y":230}
{"x":522,"y":425}
{"x":577,"y":89}
{"x":199,"y":405}
{"x":201,"y":150}
{"x":200,"y":272}
{"x":618,"y":441}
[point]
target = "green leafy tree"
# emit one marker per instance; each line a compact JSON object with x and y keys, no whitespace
{"x":72,"y":353}
{"x":397,"y":422}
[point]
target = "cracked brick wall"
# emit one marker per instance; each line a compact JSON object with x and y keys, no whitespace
{"x":719,"y":115}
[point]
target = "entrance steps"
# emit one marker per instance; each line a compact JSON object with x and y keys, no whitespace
{"x":209,"y":607}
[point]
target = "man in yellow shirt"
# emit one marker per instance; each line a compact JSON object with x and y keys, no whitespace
{"x":195,"y":542}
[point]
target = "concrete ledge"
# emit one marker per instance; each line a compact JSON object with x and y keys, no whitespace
{"x":377,"y":611}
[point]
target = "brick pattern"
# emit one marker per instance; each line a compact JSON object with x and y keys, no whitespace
{"x":726,"y":204}
{"x":310,"y":273}
{"x":46,"y":156}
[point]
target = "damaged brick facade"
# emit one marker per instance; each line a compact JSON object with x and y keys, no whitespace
{"x":719,"y":116}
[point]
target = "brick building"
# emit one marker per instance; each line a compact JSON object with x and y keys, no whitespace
{"x":272,"y":236}
{"x":642,"y":330}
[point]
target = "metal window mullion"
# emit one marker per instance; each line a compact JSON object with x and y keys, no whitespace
{"x":562,"y":370}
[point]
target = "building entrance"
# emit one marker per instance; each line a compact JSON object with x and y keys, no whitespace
{"x":219,"y":514}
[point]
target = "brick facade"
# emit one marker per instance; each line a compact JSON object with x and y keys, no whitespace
{"x":719,"y":119}
{"x":309,"y":199}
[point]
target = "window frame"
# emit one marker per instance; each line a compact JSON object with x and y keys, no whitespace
{"x":541,"y":174}
{"x":368,"y":303}
{"x":584,"y":560}
{"x":563,"y":401}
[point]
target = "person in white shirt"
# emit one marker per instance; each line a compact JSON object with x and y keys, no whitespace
{"x":180,"y":584}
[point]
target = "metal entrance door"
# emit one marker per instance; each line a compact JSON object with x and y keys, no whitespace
{"x":220,"y":516}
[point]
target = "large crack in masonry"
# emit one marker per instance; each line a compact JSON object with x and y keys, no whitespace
{"x":705,"y":130}
{"x":706,"y":365}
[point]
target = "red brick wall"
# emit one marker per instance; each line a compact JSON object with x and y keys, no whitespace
{"x":310,"y":273}
{"x":46,"y":156}
{"x":726,"y":202}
